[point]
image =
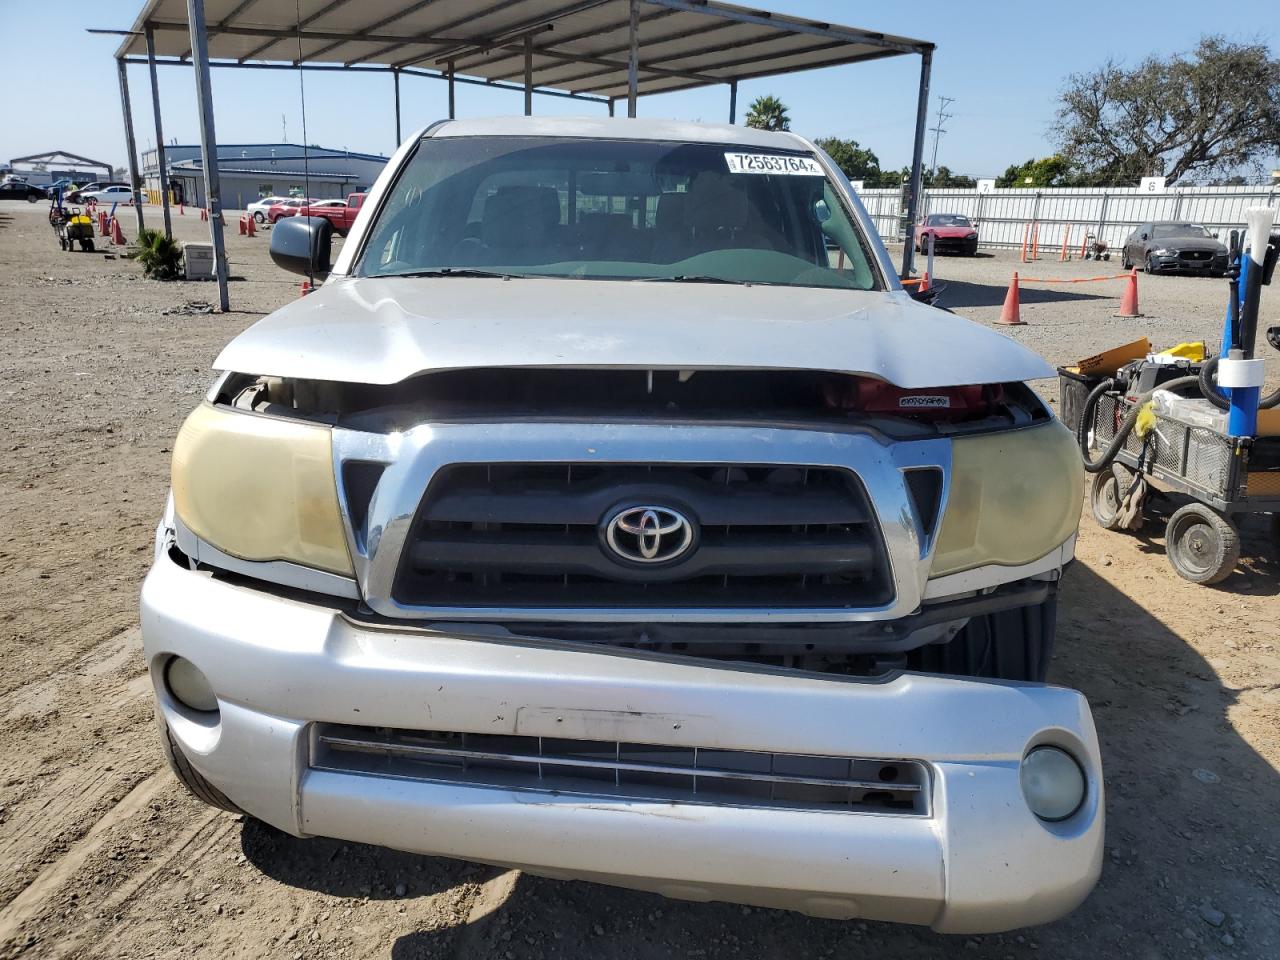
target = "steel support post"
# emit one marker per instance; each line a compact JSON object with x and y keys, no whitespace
{"x":155,"y":110}
{"x":208,"y":144}
{"x":633,"y":60}
{"x":396,"y":75}
{"x":917,"y":160}
{"x":733,"y":102}
{"x":452,"y":102}
{"x":134,"y":179}
{"x":528,"y":75}
{"x":611,"y":106}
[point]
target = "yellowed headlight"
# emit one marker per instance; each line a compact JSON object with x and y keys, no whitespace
{"x":260,"y":488}
{"x":1014,"y":496}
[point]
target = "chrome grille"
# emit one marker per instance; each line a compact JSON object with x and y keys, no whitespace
{"x":530,"y":535}
{"x":597,"y":768}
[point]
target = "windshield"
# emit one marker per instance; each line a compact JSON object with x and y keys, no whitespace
{"x":1179,"y":230}
{"x":617,"y":209}
{"x":949,"y":220}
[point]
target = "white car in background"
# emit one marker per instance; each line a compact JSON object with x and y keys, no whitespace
{"x":108,"y":195}
{"x":258,"y":209}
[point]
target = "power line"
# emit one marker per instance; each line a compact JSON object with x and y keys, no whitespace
{"x":938,"y":129}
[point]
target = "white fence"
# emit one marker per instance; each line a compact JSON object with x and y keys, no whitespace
{"x":1111,"y":213}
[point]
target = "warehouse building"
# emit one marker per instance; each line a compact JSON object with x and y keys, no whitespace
{"x":250,"y":171}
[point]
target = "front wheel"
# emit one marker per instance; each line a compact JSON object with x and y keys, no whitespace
{"x":32,"y":198}
{"x":1203,"y":546}
{"x":258,"y":217}
{"x":86,"y":245}
{"x":1125,"y":262}
{"x":1104,"y":499}
{"x":1150,"y":265}
{"x":190,"y":778}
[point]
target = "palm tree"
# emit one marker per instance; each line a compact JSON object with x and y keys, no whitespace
{"x":768,"y":113}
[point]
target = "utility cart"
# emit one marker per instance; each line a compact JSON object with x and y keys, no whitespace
{"x":1195,"y":430}
{"x":1219,"y":476}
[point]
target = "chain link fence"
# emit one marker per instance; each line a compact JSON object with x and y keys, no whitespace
{"x":1004,"y":216}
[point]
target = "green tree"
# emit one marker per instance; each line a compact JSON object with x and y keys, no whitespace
{"x":1207,"y":113}
{"x":1051,"y":171}
{"x":768,"y":113}
{"x":943,"y":177}
{"x":857,"y":162}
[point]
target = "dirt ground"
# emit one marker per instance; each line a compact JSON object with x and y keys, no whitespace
{"x":103,"y":855}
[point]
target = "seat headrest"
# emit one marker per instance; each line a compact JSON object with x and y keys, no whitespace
{"x":717,"y":202}
{"x":672,"y":211}
{"x":519,"y":214}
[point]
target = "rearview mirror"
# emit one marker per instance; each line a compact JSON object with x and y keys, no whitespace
{"x":302,"y":245}
{"x":1142,"y":237}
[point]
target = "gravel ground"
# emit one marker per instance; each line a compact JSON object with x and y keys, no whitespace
{"x":102,"y":854}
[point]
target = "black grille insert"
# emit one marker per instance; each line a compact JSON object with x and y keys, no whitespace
{"x":638,"y":771}
{"x":530,"y":535}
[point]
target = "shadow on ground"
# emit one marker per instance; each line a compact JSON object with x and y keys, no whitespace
{"x":960,"y":294}
{"x":1178,"y":878}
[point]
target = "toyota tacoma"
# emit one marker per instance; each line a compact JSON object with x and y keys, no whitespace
{"x":611,"y":512}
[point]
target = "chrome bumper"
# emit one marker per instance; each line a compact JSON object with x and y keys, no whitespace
{"x":979,"y":861}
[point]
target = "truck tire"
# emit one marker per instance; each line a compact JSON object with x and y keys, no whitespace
{"x":1010,"y":645}
{"x":200,"y":788}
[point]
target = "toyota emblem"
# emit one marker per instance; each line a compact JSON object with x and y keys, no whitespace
{"x":648,"y":534}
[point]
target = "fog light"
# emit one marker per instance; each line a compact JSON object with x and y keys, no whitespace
{"x":189,"y":686}
{"x":1052,"y":783}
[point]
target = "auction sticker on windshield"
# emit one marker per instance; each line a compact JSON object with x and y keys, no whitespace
{"x":772,"y":163}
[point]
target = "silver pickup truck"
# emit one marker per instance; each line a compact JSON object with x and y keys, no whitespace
{"x":613,"y":513}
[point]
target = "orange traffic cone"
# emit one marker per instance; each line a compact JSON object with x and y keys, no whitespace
{"x":117,"y":235}
{"x":250,"y":228}
{"x":924,"y":282}
{"x":1129,"y":302}
{"x":102,"y":223}
{"x":1010,"y":315}
{"x":182,"y":209}
{"x":204,"y":214}
{"x":306,"y":288}
{"x":243,"y":229}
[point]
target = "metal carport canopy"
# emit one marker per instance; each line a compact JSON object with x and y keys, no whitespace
{"x":580,"y":47}
{"x":596,"y":51}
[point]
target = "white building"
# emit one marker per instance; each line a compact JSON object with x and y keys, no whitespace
{"x":249,"y":171}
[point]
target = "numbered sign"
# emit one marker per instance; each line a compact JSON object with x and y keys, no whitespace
{"x":1151,"y":185}
{"x":986,"y":186}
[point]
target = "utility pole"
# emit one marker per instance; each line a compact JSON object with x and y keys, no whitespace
{"x":938,"y":130}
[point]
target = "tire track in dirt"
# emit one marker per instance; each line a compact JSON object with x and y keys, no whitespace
{"x":48,"y":808}
{"x":40,"y":891}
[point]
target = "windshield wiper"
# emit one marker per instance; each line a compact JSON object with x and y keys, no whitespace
{"x":693,"y":278}
{"x":456,"y":272}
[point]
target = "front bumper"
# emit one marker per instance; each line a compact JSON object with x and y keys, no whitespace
{"x":980,"y":861}
{"x":1180,"y":262}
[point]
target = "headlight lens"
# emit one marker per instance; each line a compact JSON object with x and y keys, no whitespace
{"x":972,"y":236}
{"x":260,"y":488}
{"x":1052,"y":783}
{"x":1162,"y":252}
{"x":189,"y":686}
{"x":1014,"y":496}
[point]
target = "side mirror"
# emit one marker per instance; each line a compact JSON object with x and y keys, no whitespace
{"x":1142,"y":237}
{"x":302,"y":245}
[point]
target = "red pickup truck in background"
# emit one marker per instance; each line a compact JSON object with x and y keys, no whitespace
{"x":342,"y":216}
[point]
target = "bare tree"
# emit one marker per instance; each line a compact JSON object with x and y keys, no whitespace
{"x":1208,"y":113}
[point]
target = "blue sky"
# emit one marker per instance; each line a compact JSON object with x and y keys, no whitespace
{"x":1002,"y":62}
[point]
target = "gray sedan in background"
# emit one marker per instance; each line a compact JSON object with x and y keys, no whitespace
{"x":1167,"y":246}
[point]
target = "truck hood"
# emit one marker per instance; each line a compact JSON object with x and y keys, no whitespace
{"x":383,"y":330}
